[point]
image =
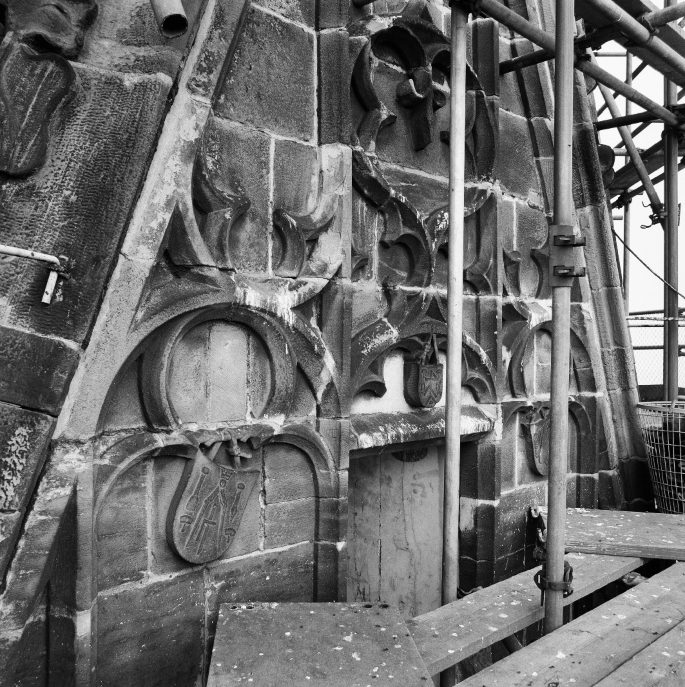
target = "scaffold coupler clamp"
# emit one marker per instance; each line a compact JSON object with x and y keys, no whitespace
{"x":563,"y":263}
{"x":543,"y":584}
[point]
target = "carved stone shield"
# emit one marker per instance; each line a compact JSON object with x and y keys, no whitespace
{"x":422,"y":383}
{"x":207,"y":508}
{"x":31,"y":88}
{"x":538,"y":423}
{"x":430,"y":384}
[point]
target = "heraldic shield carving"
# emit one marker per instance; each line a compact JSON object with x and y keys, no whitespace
{"x":423,"y":377}
{"x":207,"y":508}
{"x":538,"y":423}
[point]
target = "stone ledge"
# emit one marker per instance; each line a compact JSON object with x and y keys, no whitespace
{"x":388,"y":430}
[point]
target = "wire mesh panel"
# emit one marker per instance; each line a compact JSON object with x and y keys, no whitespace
{"x":647,"y":335}
{"x":663,"y":430}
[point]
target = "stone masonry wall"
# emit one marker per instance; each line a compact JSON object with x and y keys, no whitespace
{"x":255,"y":220}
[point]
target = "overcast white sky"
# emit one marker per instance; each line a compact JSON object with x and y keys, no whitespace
{"x":646,"y":291}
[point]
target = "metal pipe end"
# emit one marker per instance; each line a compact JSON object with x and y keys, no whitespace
{"x":171,"y":17}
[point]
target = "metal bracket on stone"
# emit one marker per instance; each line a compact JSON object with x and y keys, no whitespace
{"x":563,"y":267}
{"x":57,"y":265}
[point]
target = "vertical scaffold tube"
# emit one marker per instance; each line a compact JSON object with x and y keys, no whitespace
{"x":626,"y":207}
{"x":671,"y":246}
{"x":561,"y":313}
{"x":455,"y":285}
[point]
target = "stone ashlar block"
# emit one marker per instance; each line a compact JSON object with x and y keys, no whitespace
{"x":636,"y":480}
{"x":474,"y":573}
{"x":24,"y":438}
{"x":611,"y":323}
{"x":587,"y":491}
{"x":478,"y":523}
{"x":588,"y":188}
{"x":545,"y":167}
{"x":271,"y":83}
{"x":480,"y":470}
{"x":296,"y":177}
{"x":34,"y":371}
{"x":332,"y":573}
{"x":302,"y":11}
{"x":515,"y":529}
{"x":53,"y":510}
{"x":333,"y":14}
{"x":510,"y":92}
{"x":534,"y":90}
{"x":288,"y":474}
{"x":485,"y":57}
{"x":121,"y":530}
{"x":336,"y":434}
{"x":610,"y":490}
{"x":510,"y":565}
{"x":619,"y":368}
{"x":543,"y":132}
{"x":425,"y":193}
{"x":599,"y":252}
{"x":532,"y":230}
{"x":336,"y":327}
{"x":9,"y":530}
{"x":581,"y":491}
{"x":286,"y":576}
{"x":335,"y":122}
{"x":152,"y":635}
{"x":511,"y":435}
{"x":515,"y":166}
{"x":80,"y":202}
{"x":31,"y":662}
{"x":240,"y":158}
{"x":290,"y":522}
{"x":166,"y":476}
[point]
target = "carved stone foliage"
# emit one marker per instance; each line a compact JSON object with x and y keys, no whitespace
{"x":36,"y":76}
{"x":535,"y":419}
{"x":413,"y":53}
{"x":409,"y":319}
{"x":223,"y":223}
{"x":527,"y":335}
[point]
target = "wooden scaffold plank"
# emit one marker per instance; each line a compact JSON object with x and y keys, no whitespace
{"x":450,"y":634}
{"x":337,"y":644}
{"x":590,"y":649}
{"x":623,"y":533}
{"x":661,"y":663}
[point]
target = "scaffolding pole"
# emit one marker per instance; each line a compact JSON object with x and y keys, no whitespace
{"x":561,"y":312}
{"x":671,"y":246}
{"x":455,"y":289}
{"x":635,"y":157}
{"x":640,"y":35}
{"x":523,"y":27}
{"x":626,"y":207}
